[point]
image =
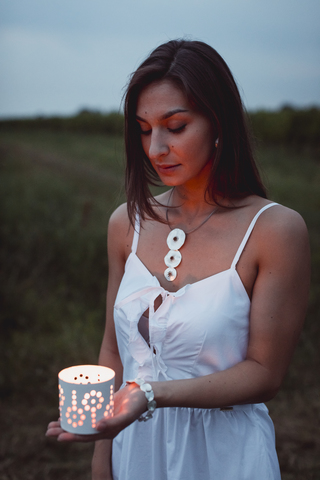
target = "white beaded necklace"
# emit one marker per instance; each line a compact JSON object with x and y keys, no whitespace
{"x":175,"y":241}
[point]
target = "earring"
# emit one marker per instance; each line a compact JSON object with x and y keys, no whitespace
{"x":216,"y":143}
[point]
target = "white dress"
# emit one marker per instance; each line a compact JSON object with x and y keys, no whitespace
{"x":198,"y":330}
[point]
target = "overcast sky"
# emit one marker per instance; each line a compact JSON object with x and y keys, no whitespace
{"x":59,"y":56}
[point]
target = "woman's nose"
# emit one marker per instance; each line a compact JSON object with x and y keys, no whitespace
{"x":158,"y":146}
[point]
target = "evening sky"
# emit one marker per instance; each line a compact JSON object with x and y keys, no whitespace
{"x":59,"y":56}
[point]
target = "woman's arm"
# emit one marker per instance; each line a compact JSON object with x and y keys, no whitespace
{"x":278,"y":309}
{"x":118,"y":231}
{"x":109,"y":356}
{"x":101,"y":461}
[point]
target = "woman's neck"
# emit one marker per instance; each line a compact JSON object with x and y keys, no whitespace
{"x":188,"y":205}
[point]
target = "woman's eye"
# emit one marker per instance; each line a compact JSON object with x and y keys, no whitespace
{"x":171,"y":130}
{"x":177,"y":130}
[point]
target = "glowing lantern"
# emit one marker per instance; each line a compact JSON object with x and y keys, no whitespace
{"x":86,"y":395}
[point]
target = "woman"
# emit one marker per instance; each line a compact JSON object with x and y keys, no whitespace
{"x":205,"y":335}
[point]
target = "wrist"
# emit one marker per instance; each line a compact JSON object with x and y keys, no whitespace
{"x":147,"y":390}
{"x":163,"y":393}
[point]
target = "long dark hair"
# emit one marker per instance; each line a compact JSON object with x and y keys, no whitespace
{"x":202,"y":74}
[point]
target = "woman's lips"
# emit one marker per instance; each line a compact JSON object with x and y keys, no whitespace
{"x":167,"y":168}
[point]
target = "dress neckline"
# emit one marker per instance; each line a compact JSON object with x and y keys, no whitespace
{"x":232,"y":268}
{"x":190,"y":285}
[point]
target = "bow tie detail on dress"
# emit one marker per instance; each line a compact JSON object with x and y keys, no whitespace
{"x":151,"y":365}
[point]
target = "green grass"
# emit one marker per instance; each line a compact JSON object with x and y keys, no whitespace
{"x":57,"y":191}
{"x":53,"y":255}
{"x":99,"y":151}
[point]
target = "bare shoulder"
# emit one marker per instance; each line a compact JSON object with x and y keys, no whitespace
{"x":119,"y":218}
{"x":120,"y":231}
{"x":282,"y":233}
{"x":282,"y":222}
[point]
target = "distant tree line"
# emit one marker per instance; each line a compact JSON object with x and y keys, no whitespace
{"x":86,"y":121}
{"x":288,"y":126}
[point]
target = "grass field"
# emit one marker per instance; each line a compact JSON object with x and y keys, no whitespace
{"x":57,"y":193}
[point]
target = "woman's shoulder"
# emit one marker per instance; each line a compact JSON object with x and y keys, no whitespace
{"x":281,"y":219}
{"x":280,"y":227}
{"x":120,"y":231}
{"x":119,"y":218}
{"x":276,"y":215}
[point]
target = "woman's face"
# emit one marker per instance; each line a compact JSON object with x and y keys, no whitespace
{"x":177,"y":139}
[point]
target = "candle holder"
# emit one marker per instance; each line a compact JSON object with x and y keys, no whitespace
{"x":86,"y":395}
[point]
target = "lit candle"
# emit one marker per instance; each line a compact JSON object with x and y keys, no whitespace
{"x":86,"y":395}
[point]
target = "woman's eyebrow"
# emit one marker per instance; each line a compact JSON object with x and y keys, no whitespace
{"x":166,"y":115}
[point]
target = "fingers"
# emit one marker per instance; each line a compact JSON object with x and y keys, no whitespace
{"x":113,"y":424}
{"x":63,"y":436}
{"x":54,"y":424}
{"x":54,"y":430}
{"x":71,"y":437}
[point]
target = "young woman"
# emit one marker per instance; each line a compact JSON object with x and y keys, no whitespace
{"x":208,"y":284}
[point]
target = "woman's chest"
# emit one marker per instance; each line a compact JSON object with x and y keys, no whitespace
{"x":204,"y":253}
{"x":199,"y":324}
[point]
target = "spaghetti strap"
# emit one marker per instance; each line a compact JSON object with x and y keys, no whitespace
{"x":248,"y":233}
{"x":136,"y":234}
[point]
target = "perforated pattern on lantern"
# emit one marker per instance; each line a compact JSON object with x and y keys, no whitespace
{"x":86,"y":394}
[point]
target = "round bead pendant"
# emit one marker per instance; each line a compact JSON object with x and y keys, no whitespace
{"x":176,"y":239}
{"x":170,"y":274}
{"x":173,"y":258}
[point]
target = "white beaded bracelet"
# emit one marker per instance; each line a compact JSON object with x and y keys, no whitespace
{"x":147,"y":389}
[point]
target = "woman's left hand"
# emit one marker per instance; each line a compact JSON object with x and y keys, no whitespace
{"x":129,"y":403}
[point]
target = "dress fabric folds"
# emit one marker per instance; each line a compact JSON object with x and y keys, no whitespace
{"x":200,"y":329}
